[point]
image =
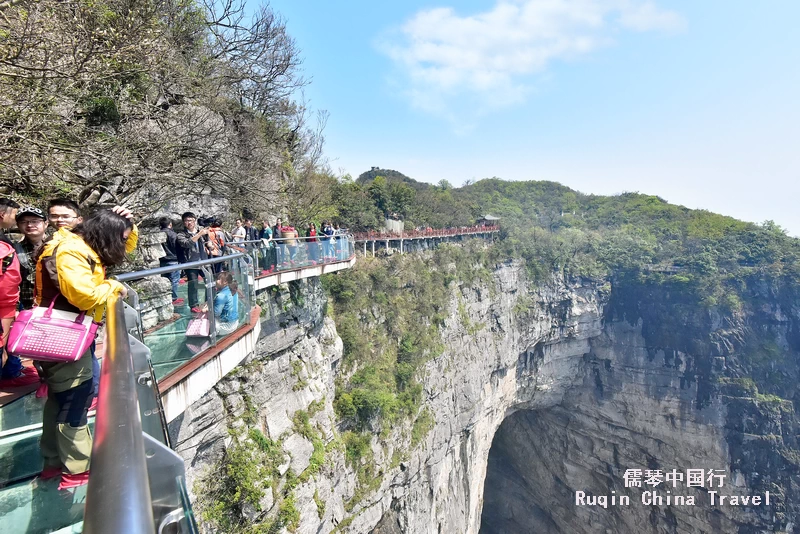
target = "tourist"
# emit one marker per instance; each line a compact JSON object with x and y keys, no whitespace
{"x":192,"y":247}
{"x":226,"y":303}
{"x":280,"y":245}
{"x":290,"y":242}
{"x":13,"y":374}
{"x":268,"y":248}
{"x":327,"y":245}
{"x":239,"y":233}
{"x":266,"y":231}
{"x":63,"y":213}
{"x":32,"y":223}
{"x":216,"y":243}
{"x":313,"y":246}
{"x":251,"y":234}
{"x":216,"y":239}
{"x":170,"y":258}
{"x":339,"y":242}
{"x":71,"y":271}
{"x":8,"y":213}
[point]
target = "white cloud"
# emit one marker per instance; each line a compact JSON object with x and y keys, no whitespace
{"x":461,"y":67}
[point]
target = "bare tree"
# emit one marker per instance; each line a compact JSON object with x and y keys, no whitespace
{"x":140,"y":101}
{"x":307,"y":181}
{"x":257,"y":57}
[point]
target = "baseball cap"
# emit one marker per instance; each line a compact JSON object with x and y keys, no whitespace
{"x":30,"y":210}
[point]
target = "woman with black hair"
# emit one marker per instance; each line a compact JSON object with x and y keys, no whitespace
{"x":226,"y":303}
{"x":71,"y":269}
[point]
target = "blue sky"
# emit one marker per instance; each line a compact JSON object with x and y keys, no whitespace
{"x":695,"y":101}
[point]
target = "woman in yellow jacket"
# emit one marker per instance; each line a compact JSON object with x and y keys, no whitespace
{"x":71,"y":268}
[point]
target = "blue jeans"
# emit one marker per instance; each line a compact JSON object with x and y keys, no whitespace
{"x":194,"y":287}
{"x":95,"y":371}
{"x":174,"y":277}
{"x":13,"y":366}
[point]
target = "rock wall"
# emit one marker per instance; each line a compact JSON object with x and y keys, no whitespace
{"x":579,"y":390}
{"x":513,"y":361}
{"x":630,"y":412}
{"x":292,"y":371}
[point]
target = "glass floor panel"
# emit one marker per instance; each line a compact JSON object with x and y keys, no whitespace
{"x":19,"y":455}
{"x":21,"y":412}
{"x":36,"y":506}
{"x":168,"y":344}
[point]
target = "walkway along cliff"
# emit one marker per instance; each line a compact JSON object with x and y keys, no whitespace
{"x":530,"y":395}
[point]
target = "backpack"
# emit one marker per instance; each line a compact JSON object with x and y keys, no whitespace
{"x":217,"y":237}
{"x":10,"y":276}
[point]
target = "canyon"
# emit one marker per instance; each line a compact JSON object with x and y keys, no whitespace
{"x":542,"y":390}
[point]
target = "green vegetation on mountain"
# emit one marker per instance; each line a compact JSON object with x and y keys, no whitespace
{"x":389,"y":314}
{"x":695,"y":278}
{"x":555,"y":228}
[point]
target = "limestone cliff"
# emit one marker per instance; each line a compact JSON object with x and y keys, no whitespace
{"x":542,"y":390}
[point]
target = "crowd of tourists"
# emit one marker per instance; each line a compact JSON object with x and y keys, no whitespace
{"x":425,"y":231}
{"x":57,"y":269}
{"x":55,"y":274}
{"x":279,"y":246}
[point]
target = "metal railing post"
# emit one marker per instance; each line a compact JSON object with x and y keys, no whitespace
{"x":118,"y":497}
{"x":208,"y":277}
{"x":254,"y":255}
{"x":250,"y":273}
{"x":151,"y":408}
{"x":136,"y":306}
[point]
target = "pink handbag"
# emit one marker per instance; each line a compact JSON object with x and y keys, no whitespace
{"x":199,"y":326}
{"x":51,"y":335}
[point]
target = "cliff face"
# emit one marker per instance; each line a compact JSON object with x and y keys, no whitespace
{"x":541,"y":392}
{"x":667,"y":386}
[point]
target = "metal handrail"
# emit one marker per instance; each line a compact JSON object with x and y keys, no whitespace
{"x":138,"y":275}
{"x":123,"y":494}
{"x":118,"y":497}
{"x":434,"y":232}
{"x":282,"y":247}
{"x":279,"y":240}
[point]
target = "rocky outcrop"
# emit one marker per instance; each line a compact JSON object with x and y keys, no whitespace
{"x":630,"y":412}
{"x":542,"y":391}
{"x":150,"y":249}
{"x":282,"y":396}
{"x":518,"y":358}
{"x":663,"y":393}
{"x":155,"y":300}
